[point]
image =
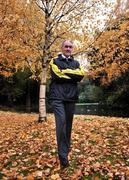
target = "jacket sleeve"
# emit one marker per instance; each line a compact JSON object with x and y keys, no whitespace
{"x":67,"y":75}
{"x":57,"y":74}
{"x":76,"y":74}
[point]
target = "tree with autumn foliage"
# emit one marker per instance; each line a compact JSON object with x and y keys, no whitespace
{"x":109,"y":56}
{"x":62,"y":19}
{"x":109,"y":59}
{"x":20,"y":35}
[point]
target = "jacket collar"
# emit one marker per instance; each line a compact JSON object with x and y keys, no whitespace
{"x":62,"y":57}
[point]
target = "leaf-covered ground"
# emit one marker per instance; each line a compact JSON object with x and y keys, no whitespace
{"x":100,"y":148}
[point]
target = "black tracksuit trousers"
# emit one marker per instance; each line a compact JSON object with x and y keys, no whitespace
{"x":63,"y":111}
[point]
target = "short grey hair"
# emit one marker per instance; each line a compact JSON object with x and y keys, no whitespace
{"x":65,"y":41}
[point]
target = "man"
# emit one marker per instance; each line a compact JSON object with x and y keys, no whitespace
{"x":65,"y":73}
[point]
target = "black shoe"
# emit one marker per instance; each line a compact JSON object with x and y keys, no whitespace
{"x":64,"y":164}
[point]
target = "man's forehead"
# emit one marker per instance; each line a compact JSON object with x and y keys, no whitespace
{"x":67,"y":43}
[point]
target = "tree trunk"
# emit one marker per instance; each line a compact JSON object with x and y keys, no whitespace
{"x":28,"y":99}
{"x":46,"y":55}
{"x":42,"y":95}
{"x":10,"y":101}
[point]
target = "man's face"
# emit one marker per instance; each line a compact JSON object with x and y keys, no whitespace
{"x":67,"y":48}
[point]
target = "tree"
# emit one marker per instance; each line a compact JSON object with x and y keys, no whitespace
{"x":109,"y":56}
{"x":89,"y":93}
{"x":20,"y":35}
{"x":62,"y":19}
{"x":19,"y":90}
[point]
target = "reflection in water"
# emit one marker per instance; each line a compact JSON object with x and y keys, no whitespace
{"x":88,"y":109}
{"x":102,"y":110}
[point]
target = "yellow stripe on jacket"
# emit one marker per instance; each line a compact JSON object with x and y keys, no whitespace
{"x":57,"y":71}
{"x":79,"y":71}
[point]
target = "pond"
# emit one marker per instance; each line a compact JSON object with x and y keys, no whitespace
{"x":101,"y":110}
{"x":85,"y":109}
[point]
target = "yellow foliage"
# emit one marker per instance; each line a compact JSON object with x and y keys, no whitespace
{"x":112,"y":52}
{"x":20,"y":33}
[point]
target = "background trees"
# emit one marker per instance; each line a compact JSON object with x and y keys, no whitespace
{"x":20,"y":35}
{"x":109,"y":59}
{"x":18,"y":91}
{"x":110,"y":52}
{"x":31,"y":32}
{"x":90,"y":93}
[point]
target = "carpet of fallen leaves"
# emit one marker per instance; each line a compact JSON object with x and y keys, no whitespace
{"x":99,"y":150}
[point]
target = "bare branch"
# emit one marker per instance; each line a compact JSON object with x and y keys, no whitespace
{"x":43,"y":9}
{"x":43,"y":3}
{"x":54,"y":7}
{"x":56,"y":16}
{"x":78,"y":14}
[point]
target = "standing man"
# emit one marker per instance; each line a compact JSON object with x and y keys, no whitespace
{"x":65,"y":74}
